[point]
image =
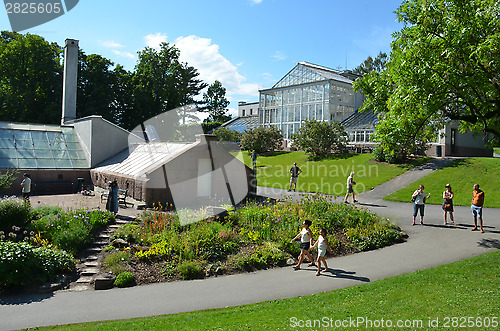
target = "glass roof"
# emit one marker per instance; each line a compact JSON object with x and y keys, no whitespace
{"x":39,"y":146}
{"x":304,"y":73}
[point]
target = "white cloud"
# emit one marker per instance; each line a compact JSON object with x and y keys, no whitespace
{"x":124,"y":54}
{"x":110,"y":44}
{"x":154,"y":40}
{"x":206,"y":58}
{"x":256,"y":2}
{"x":279,"y":56}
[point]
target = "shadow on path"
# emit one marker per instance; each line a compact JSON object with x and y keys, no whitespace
{"x":489,"y":243}
{"x":15,"y":300}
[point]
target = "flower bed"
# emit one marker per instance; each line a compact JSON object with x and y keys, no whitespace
{"x":253,"y":237}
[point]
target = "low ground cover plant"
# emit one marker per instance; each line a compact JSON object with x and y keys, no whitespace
{"x":253,"y":237}
{"x":37,"y":244}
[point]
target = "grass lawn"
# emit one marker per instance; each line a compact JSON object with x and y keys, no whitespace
{"x":325,"y":176}
{"x":458,"y":295}
{"x":496,"y":150}
{"x":462,"y":175}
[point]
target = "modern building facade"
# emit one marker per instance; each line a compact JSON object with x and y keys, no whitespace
{"x":308,"y":92}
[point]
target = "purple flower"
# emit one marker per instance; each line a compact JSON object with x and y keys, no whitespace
{"x":67,"y":222}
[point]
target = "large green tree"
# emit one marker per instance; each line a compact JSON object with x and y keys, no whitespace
{"x":448,"y":56}
{"x":30,"y":79}
{"x":162,"y":83}
{"x":370,"y":64}
{"x":216,"y":103}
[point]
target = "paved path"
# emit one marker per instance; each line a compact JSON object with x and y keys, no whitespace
{"x":428,"y":246}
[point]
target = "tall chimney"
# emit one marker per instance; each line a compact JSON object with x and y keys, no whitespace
{"x":69,"y":81}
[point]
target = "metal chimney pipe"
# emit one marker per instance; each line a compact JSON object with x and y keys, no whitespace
{"x":69,"y":81}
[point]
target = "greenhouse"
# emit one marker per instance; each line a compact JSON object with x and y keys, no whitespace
{"x":309,"y":92}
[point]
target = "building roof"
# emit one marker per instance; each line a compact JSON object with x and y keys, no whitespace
{"x":143,"y":159}
{"x":305,"y":72}
{"x":40,"y":146}
{"x":241,"y":124}
{"x":360,"y":121}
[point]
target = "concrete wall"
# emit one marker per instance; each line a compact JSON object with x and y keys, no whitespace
{"x":53,"y":181}
{"x":100,"y":138}
{"x":466,"y":144}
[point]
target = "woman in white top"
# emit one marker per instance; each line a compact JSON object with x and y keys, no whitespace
{"x":306,"y":239}
{"x":323,"y":245}
{"x":419,"y":199}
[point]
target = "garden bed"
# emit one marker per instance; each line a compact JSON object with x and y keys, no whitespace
{"x":256,"y":236}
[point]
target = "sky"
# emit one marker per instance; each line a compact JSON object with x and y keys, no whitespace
{"x":245,"y":44}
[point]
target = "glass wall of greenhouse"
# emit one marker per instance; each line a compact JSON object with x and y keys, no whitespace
{"x":308,"y":92}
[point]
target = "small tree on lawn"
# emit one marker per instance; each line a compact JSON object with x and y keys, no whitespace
{"x":225,"y":134}
{"x":7,"y":179}
{"x":320,"y":138}
{"x":261,"y":139}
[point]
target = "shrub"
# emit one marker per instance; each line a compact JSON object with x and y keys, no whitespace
{"x":21,"y":264}
{"x":225,"y":134}
{"x":116,"y":263}
{"x":13,"y":212}
{"x":263,"y":256}
{"x":262,"y":139}
{"x":190,"y":270}
{"x":124,"y":279}
{"x":128,"y":232}
{"x":319,"y":138}
{"x":71,"y":231}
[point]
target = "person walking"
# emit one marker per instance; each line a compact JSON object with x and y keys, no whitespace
{"x":323,"y":246}
{"x":477,"y":207}
{"x":448,"y":203}
{"x":26,"y":187}
{"x":294,"y":175}
{"x":350,"y":190}
{"x":306,"y":240}
{"x":112,"y":203}
{"x":419,"y":200}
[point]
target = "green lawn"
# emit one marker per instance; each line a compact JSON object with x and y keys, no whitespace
{"x":496,"y":150}
{"x":460,"y":294}
{"x":462,"y":175}
{"x":325,"y":176}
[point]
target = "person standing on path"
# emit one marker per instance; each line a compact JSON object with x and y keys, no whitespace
{"x":306,"y":240}
{"x":448,"y":203}
{"x":112,"y":203}
{"x":477,"y":207}
{"x":294,"y":175}
{"x":350,"y":184}
{"x":419,"y":199}
{"x":254,"y":159}
{"x":26,"y":187}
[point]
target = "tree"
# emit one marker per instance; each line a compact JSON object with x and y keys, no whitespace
{"x":8,"y":178}
{"x":162,"y":83}
{"x":262,"y":140}
{"x":225,"y":134}
{"x":30,"y":79}
{"x":369,"y":65}
{"x":96,"y":84}
{"x":320,"y":138}
{"x":449,"y":52}
{"x":216,"y":103}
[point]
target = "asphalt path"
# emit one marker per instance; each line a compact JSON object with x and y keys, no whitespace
{"x":429,"y":245}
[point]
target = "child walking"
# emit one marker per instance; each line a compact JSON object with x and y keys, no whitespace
{"x":306,"y":240}
{"x":323,"y":245}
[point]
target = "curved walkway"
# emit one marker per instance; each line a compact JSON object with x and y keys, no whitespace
{"x":428,"y":246}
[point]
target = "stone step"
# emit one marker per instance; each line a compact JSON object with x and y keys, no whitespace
{"x":93,"y":250}
{"x":91,"y":258}
{"x":104,"y":236}
{"x":92,"y":264}
{"x":85,"y":280}
{"x":101,"y":243}
{"x":89,"y":271}
{"x":79,"y":287}
{"x":114,"y":226}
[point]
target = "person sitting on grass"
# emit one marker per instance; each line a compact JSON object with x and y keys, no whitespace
{"x":323,"y":245}
{"x":306,"y":239}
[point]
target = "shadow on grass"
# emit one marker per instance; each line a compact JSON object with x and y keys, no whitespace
{"x":343,"y":156}
{"x":457,"y":163}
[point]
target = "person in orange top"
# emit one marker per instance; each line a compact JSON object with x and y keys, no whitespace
{"x":477,"y":207}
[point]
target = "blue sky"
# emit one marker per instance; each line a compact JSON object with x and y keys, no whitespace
{"x":246,"y":44}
